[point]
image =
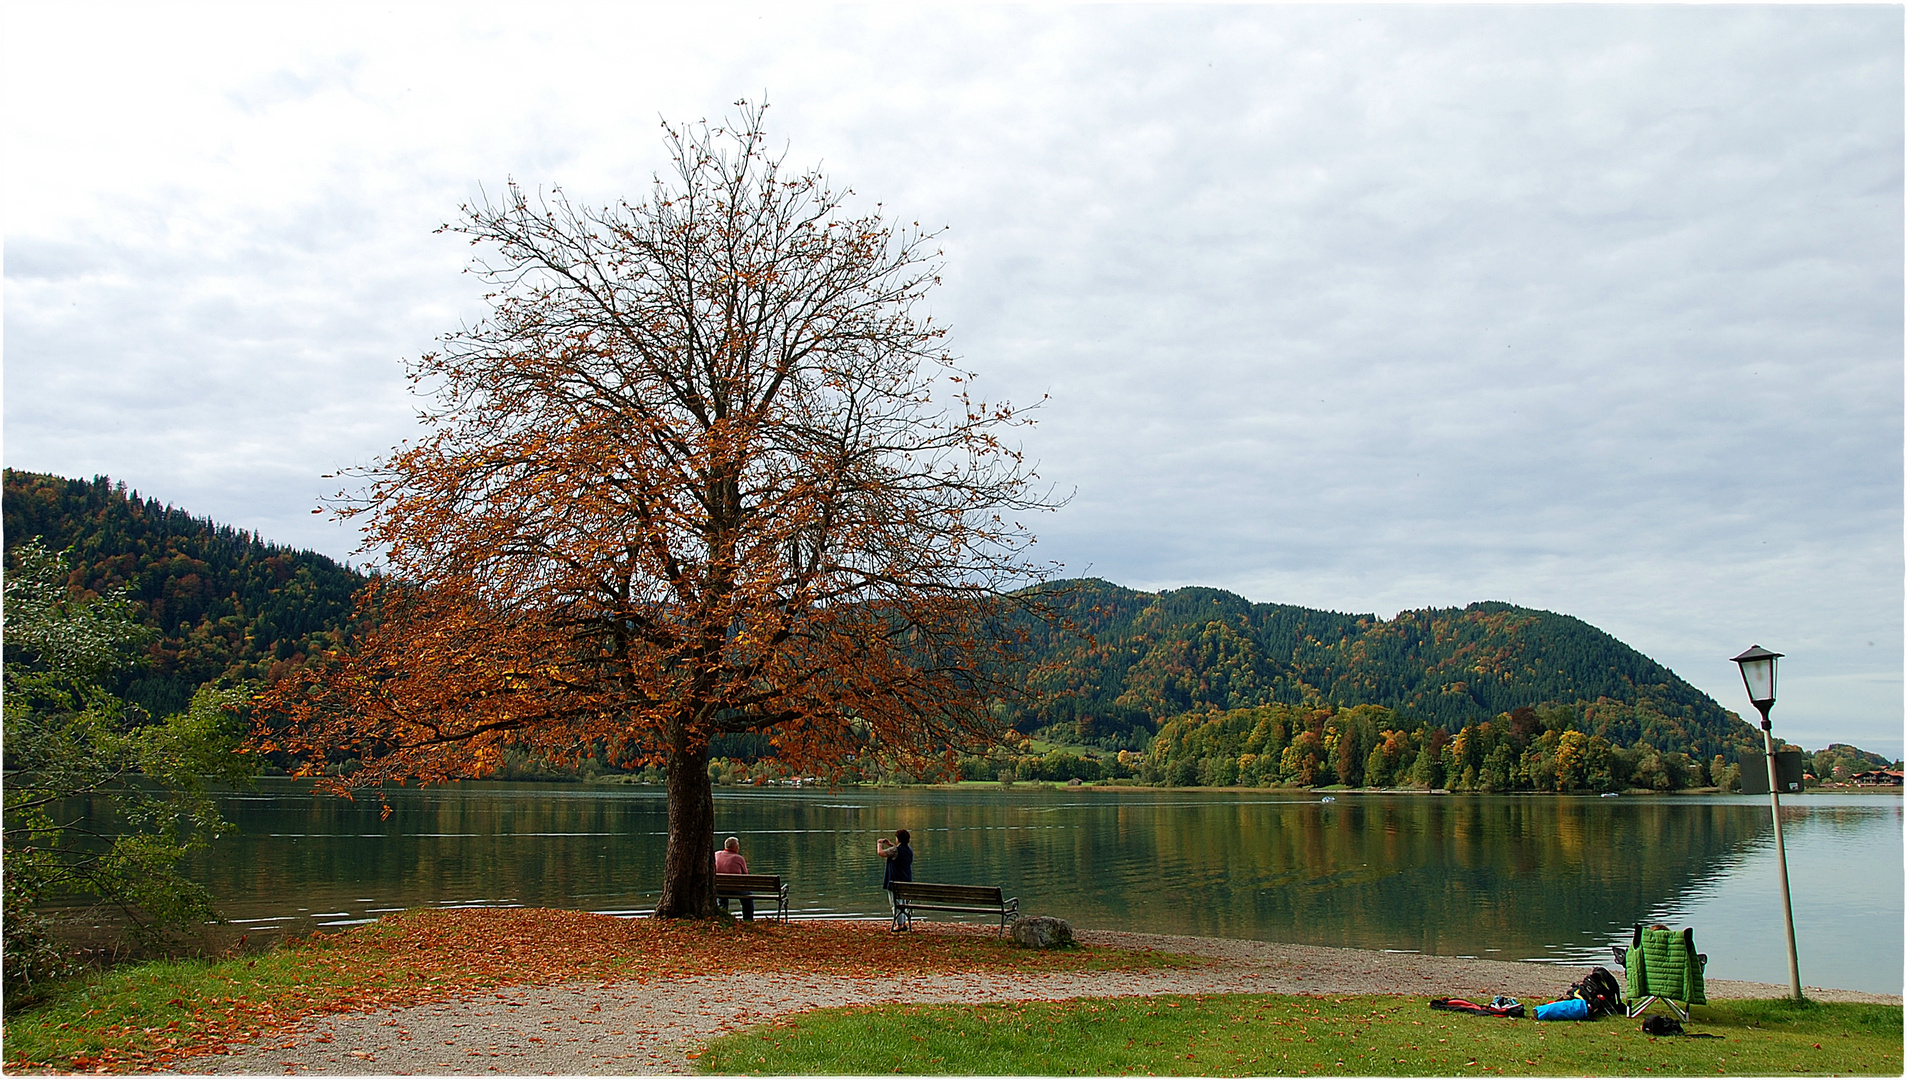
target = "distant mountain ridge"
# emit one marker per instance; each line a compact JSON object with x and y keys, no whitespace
{"x":1158,"y":655}
{"x":226,"y":604}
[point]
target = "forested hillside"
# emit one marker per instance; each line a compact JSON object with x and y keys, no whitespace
{"x":1151,"y":657}
{"x":226,"y":604}
{"x":1838,"y":761}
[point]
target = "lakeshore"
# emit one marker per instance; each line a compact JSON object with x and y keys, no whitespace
{"x":1518,"y":877}
{"x":519,"y":992}
{"x":660,"y":1027}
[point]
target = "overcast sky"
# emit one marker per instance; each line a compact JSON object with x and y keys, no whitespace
{"x":1591,"y":309}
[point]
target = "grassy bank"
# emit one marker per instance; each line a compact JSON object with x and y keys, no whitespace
{"x":158,"y":1015}
{"x":1283,"y":1035}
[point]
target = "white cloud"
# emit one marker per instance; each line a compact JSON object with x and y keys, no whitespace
{"x":1592,"y":308}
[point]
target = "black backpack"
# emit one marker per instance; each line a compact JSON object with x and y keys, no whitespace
{"x":1600,"y":991}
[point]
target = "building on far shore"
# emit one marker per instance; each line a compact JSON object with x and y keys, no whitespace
{"x":1876,"y":778}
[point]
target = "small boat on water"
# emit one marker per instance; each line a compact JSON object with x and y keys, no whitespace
{"x":1329,"y":798}
{"x":1609,"y":794}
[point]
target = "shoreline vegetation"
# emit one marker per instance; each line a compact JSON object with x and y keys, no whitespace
{"x":1186,"y":687}
{"x":172,"y":1014}
{"x":802,"y":783}
{"x":1544,"y":750}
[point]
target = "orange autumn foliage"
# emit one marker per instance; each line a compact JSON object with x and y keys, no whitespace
{"x":703,"y":469}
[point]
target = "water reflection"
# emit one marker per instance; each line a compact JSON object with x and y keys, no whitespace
{"x":1502,"y":877}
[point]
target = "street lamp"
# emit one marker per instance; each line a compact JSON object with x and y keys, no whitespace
{"x":1758,"y":675}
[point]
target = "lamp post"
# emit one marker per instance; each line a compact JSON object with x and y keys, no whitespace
{"x":1758,"y":675}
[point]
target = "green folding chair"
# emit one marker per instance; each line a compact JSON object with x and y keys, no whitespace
{"x":1663,"y":965}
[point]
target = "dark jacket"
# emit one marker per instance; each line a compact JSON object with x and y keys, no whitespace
{"x":900,"y":865}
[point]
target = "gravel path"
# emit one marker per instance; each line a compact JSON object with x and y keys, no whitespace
{"x":651,"y":1026}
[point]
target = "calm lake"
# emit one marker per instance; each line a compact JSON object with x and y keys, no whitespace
{"x":1503,"y":877}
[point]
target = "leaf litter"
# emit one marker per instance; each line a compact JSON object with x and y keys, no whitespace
{"x":421,"y":956}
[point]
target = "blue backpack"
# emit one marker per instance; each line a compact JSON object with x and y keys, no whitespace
{"x":1567,"y":1009}
{"x":1599,"y":994}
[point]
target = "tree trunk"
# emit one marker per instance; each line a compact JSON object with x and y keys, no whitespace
{"x":688,"y":869}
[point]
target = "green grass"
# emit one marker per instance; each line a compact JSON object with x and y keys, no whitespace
{"x":143,"y":1009}
{"x":1282,"y":1035}
{"x":161,"y":1013}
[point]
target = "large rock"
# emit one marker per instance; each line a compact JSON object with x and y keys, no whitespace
{"x":1042,"y":932}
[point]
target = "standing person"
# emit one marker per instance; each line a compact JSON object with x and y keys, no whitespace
{"x":729,"y":861}
{"x":899,"y":858}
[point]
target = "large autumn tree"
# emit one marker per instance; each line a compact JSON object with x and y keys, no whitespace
{"x":706,"y":467}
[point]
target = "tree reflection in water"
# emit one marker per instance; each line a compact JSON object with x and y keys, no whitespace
{"x":1507,"y":877}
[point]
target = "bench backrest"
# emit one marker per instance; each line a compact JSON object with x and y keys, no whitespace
{"x":933,"y":892}
{"x":762,"y":882}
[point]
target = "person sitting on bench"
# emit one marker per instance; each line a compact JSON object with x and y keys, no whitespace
{"x":729,"y":861}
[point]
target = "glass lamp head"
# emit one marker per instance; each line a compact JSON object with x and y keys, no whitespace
{"x":1758,"y":674}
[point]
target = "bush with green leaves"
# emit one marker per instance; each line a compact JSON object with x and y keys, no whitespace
{"x":76,"y":756}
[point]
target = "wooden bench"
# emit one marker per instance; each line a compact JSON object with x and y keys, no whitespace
{"x":754,"y":887}
{"x":912,"y":896}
